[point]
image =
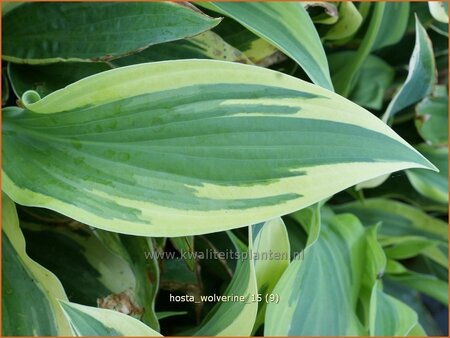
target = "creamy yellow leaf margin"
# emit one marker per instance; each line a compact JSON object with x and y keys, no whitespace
{"x":316,"y":183}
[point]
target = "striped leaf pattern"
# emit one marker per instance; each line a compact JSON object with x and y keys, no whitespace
{"x":186,"y":147}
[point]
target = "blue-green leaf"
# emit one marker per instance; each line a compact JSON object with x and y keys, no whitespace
{"x":288,"y":27}
{"x":43,"y":32}
{"x":192,"y":146}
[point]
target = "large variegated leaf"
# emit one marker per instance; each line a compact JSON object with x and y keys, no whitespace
{"x":91,"y":321}
{"x":29,"y":291}
{"x":50,"y":32}
{"x":194,"y":146}
{"x":288,"y":27}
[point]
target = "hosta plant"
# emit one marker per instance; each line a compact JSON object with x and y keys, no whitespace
{"x":223,"y":168}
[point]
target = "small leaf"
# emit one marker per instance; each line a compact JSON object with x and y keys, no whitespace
{"x":348,"y":23}
{"x":397,"y":218}
{"x":439,"y":10}
{"x":380,"y":33}
{"x":371,"y":82}
{"x":406,"y":246}
{"x":327,"y":17}
{"x":427,"y":284}
{"x":259,"y":51}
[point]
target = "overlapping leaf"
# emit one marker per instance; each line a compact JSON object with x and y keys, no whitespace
{"x":343,"y":79}
{"x":332,"y":253}
{"x":29,"y":291}
{"x":406,"y":231}
{"x":439,"y":10}
{"x":398,"y":219}
{"x":370,"y":83}
{"x":393,"y":25}
{"x":339,"y":249}
{"x":86,"y":268}
{"x":207,"y":45}
{"x":434,"y":186}
{"x":271,"y":245}
{"x":138,"y":253}
{"x":432,"y":119}
{"x":348,"y":23}
{"x":427,"y":284}
{"x":288,"y":27}
{"x":187,"y":147}
{"x":258,"y":50}
{"x":49,"y":32}
{"x":235,"y":318}
{"x":421,"y":75}
{"x":387,"y":316}
{"x":45,"y":79}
